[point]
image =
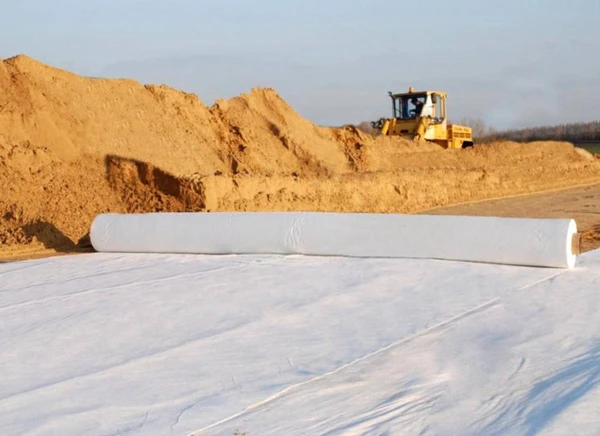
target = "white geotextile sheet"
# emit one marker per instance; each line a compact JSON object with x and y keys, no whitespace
{"x":137,"y":344}
{"x":516,"y":241}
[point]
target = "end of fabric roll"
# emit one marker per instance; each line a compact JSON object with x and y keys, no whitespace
{"x":99,"y":231}
{"x":94,"y":232}
{"x":573,"y":244}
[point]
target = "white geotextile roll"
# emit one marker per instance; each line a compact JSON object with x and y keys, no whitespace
{"x":515,"y":241}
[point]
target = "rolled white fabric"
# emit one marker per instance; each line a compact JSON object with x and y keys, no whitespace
{"x":514,"y":241}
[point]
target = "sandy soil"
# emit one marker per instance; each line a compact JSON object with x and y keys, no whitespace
{"x":72,"y":147}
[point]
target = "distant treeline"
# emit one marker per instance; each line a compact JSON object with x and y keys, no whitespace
{"x":571,"y":132}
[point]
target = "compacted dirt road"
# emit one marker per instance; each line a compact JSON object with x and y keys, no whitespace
{"x":581,"y":204}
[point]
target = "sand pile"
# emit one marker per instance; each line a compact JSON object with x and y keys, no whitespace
{"x":72,"y":147}
{"x":254,"y":133}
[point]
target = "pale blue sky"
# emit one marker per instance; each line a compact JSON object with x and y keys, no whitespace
{"x":510,"y":62}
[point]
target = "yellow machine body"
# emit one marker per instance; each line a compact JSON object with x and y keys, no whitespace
{"x":428,"y":123}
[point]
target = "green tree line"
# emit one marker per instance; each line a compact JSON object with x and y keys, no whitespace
{"x":571,"y":132}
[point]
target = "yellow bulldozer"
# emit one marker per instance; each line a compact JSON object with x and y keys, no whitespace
{"x":422,"y":116}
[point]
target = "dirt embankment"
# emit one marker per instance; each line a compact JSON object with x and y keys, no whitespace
{"x":72,"y":147}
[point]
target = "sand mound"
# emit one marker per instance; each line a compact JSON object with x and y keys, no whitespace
{"x":72,"y":147}
{"x":253,"y":133}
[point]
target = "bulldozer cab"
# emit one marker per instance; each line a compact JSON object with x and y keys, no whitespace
{"x":410,"y":106}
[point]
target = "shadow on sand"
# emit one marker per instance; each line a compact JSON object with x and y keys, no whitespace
{"x":146,"y":188}
{"x":54,"y":239}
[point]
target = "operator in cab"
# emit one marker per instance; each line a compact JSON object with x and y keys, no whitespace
{"x":418,"y":106}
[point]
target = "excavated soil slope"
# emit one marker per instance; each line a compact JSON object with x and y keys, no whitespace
{"x":72,"y":147}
